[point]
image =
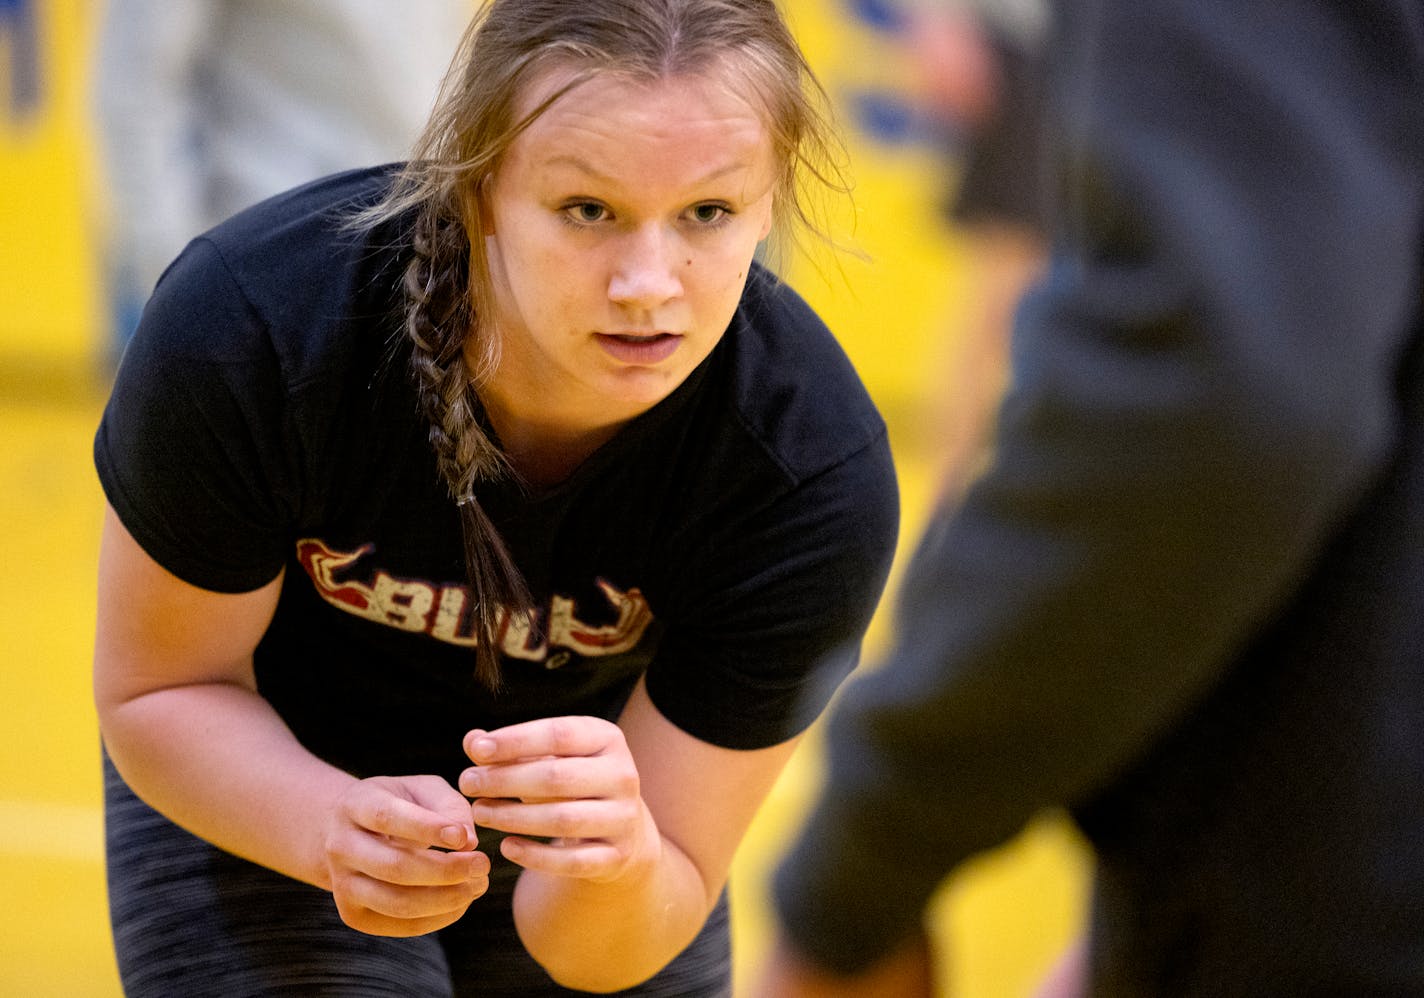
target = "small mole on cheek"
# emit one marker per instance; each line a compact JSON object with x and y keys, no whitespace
{"x":689,"y":261}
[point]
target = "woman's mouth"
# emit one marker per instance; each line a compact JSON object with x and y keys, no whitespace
{"x":640,"y":349}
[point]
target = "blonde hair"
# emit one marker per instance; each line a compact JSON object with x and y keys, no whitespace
{"x":448,"y":293}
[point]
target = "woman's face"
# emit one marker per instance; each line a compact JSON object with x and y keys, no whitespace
{"x":622,"y":224}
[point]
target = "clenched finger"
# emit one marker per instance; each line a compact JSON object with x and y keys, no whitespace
{"x":547,"y":736}
{"x":584,"y":819}
{"x":587,"y":859}
{"x":401,"y":819}
{"x":395,"y":901}
{"x":551,"y":778}
{"x":413,"y":867}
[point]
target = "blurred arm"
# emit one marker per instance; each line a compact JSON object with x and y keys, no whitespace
{"x":1203,"y":386}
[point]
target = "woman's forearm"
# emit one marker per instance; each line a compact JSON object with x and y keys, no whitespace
{"x":216,"y":759}
{"x":623,"y":859}
{"x":606,"y":936}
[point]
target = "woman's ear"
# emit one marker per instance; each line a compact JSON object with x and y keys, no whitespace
{"x":768,"y":221}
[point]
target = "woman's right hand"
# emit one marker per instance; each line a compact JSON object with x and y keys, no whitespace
{"x":397,"y":853}
{"x":401,"y":857}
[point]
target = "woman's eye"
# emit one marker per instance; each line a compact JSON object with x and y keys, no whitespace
{"x":709,"y":213}
{"x":586,"y":212}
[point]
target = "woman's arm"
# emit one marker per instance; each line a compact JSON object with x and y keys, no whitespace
{"x":645,"y":820}
{"x":183,"y":721}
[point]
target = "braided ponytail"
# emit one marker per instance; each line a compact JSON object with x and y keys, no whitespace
{"x":438,"y":320}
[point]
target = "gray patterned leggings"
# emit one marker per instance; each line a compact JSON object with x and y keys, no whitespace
{"x":191,"y":920}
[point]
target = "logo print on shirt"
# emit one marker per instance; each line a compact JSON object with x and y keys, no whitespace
{"x":439,"y":610}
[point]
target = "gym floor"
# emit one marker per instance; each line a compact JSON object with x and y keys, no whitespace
{"x":999,"y":922}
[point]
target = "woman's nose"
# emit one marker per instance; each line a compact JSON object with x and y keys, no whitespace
{"x":645,"y":273}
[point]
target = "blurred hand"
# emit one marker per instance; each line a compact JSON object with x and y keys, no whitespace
{"x":906,"y":973}
{"x":571,"y":780}
{"x":1068,"y":978}
{"x":386,"y":856}
{"x":955,"y":63}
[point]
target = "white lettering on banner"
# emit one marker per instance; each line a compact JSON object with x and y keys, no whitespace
{"x":441,"y":610}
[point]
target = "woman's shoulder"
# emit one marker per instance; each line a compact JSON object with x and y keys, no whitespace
{"x":794,"y":387}
{"x":305,"y":218}
{"x":305,"y":242}
{"x":289,"y":279}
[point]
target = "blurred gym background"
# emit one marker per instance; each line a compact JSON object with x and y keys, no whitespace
{"x":901,"y":304}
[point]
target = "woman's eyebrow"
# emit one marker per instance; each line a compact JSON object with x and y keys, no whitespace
{"x":583,"y":166}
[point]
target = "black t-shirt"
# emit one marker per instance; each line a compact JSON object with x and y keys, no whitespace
{"x":731,"y":543}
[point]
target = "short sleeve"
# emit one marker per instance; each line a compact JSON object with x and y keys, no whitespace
{"x":777,"y":605}
{"x":190,"y":449}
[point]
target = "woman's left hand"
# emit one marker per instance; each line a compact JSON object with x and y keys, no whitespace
{"x":571,"y":780}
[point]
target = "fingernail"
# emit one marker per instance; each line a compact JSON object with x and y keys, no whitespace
{"x":452,"y":836}
{"x":483,"y":747}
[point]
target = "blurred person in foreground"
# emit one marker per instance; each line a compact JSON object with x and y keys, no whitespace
{"x":484,"y":531}
{"x":1186,"y":600}
{"x":204,"y":107}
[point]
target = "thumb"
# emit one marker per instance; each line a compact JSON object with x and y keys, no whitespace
{"x":434,"y":794}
